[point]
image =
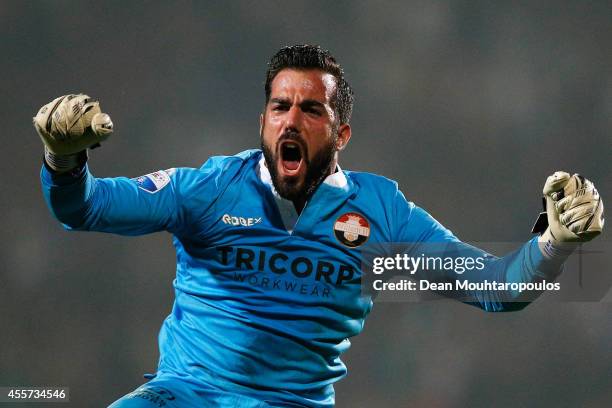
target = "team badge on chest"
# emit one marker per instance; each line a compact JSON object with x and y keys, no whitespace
{"x":352,"y":229}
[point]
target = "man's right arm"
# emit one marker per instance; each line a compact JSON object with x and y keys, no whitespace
{"x":119,"y":205}
{"x":68,"y":126}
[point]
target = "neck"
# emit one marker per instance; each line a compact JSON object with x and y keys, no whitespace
{"x":300,"y":202}
{"x":299,"y":205}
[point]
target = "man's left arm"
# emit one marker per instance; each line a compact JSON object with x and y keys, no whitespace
{"x":574,"y":215}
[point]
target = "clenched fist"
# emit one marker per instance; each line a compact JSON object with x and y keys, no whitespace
{"x":574,"y":210}
{"x":68,"y":125}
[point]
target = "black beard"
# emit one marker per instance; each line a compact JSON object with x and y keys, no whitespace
{"x":317,"y":170}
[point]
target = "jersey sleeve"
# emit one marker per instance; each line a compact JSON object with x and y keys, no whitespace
{"x":150,"y":203}
{"x":426,"y":237}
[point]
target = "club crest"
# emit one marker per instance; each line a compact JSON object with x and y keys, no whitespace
{"x":352,"y":229}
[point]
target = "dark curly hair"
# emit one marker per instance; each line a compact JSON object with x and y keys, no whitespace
{"x":313,"y":57}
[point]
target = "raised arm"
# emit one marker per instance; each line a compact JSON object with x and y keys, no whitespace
{"x":118,"y":205}
{"x":574,"y":214}
{"x":68,"y":126}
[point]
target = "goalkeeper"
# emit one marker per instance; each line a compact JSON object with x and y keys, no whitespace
{"x":268,"y":241}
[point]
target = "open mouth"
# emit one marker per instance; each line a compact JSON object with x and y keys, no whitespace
{"x":291,"y":157}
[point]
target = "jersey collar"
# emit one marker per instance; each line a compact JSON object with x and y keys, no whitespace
{"x":337,"y":179}
{"x":336,"y":182}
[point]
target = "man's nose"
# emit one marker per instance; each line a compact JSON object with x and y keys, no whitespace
{"x":293,"y":119}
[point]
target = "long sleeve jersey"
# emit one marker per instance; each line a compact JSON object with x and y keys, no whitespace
{"x":267,"y":300}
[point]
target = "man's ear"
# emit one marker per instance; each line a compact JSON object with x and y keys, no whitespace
{"x":344,"y":135}
{"x":261,"y":124}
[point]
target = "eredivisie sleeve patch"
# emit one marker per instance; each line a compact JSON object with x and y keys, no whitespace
{"x":153,"y":182}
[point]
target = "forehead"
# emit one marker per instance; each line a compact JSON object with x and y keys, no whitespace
{"x":307,"y":83}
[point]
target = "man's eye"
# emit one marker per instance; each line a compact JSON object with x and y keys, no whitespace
{"x":313,"y":111}
{"x":280,"y":108}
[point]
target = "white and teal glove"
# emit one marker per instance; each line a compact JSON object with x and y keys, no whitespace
{"x":574,"y":211}
{"x":69,"y":125}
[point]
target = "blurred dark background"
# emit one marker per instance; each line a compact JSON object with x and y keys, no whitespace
{"x":469,"y":105}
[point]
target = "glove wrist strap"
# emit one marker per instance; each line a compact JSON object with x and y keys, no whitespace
{"x":65,"y":162}
{"x":554,"y":249}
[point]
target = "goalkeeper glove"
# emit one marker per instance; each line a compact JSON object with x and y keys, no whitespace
{"x":69,"y":125}
{"x":574,"y":212}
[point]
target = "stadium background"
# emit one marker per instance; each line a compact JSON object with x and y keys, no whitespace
{"x":469,"y":105}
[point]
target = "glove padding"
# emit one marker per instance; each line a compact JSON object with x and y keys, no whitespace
{"x":72,"y":123}
{"x":574,"y":211}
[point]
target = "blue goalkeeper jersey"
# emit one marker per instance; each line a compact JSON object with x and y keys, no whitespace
{"x":267,"y":300}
